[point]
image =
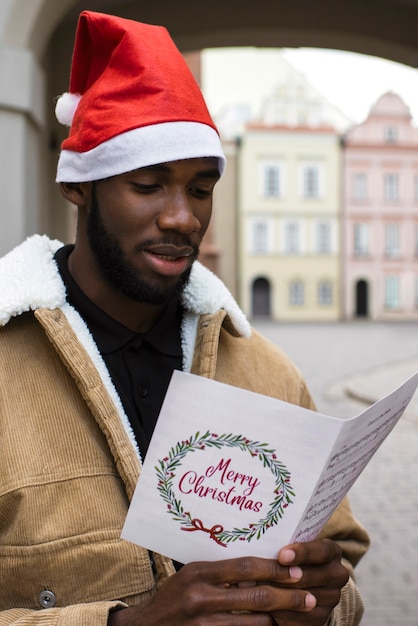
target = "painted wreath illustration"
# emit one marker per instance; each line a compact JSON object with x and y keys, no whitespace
{"x":283,"y":492}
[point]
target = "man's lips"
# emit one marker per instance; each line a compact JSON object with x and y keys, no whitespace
{"x":170,"y":252}
{"x":169,"y":260}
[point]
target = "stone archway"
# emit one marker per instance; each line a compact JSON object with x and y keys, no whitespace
{"x":352,"y":26}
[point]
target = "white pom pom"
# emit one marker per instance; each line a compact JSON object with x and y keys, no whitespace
{"x":66,"y":107}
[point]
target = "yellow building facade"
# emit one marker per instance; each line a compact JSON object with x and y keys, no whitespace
{"x":289,"y":214}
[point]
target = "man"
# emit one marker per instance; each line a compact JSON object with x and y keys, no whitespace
{"x":90,"y":336}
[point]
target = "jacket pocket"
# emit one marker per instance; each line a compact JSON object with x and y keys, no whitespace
{"x":95,"y":566}
{"x":61,"y":533}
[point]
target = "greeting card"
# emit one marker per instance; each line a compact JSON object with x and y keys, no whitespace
{"x":230,"y":472}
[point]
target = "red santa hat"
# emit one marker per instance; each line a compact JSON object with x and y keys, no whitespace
{"x":132,"y":102}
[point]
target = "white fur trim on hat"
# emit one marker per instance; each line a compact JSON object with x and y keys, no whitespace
{"x":141,"y":147}
{"x":66,"y":107}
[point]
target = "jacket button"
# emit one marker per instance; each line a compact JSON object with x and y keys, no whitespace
{"x":143,"y":391}
{"x":47,"y":599}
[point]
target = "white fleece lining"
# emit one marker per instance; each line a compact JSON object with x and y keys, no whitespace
{"x":188,"y":338}
{"x":206,"y":293}
{"x":29,"y":279}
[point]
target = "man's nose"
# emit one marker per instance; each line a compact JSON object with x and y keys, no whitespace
{"x":178,"y":215}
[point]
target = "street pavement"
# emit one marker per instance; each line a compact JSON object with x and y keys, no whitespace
{"x":348,"y":366}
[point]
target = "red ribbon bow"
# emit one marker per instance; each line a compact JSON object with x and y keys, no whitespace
{"x":215,"y":530}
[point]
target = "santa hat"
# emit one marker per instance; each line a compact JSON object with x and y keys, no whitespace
{"x":132,"y":102}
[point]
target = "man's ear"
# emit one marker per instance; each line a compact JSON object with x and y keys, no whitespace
{"x":77,"y":193}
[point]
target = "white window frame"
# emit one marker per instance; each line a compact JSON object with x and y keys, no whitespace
{"x":296,"y":293}
{"x":260,"y":237}
{"x":310,"y":181}
{"x":416,"y":241}
{"x":361,"y":240}
{"x":325,"y":293}
{"x":392,"y":292}
{"x":390,"y":134}
{"x":323,"y":236}
{"x":271,"y":183}
{"x":292,"y":235}
{"x":416,"y":293}
{"x":392,"y":240}
{"x":271,"y":178}
{"x":360,"y":186}
{"x":391,"y":186}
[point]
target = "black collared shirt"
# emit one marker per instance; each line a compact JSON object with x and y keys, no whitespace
{"x":140,"y":364}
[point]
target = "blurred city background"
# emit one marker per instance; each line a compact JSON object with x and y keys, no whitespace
{"x":315,"y":223}
{"x":316,"y":216}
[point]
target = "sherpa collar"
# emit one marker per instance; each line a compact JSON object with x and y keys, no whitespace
{"x":29,"y":279}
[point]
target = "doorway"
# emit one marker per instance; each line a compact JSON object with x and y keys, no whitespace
{"x":261,"y":298}
{"x":362,"y":298}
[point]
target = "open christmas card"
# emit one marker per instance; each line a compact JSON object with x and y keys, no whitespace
{"x":231,"y":473}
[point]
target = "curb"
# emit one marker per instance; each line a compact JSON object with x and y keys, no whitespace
{"x":370,"y":386}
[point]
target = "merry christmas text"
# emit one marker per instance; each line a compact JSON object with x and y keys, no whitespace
{"x":238,"y":487}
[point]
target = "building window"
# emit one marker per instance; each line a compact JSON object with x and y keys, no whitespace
{"x":392,"y":292}
{"x":292,"y":238}
{"x":271,"y":183}
{"x":325,"y":292}
{"x":392,"y":247}
{"x":296,"y":293}
{"x":416,"y":292}
{"x":391,"y":184}
{"x":323,"y":238}
{"x":360,"y":186}
{"x":310,"y":181}
{"x":416,"y":241}
{"x":390,"y":134}
{"x":361,"y":240}
{"x":271,"y":178}
{"x":260,"y":237}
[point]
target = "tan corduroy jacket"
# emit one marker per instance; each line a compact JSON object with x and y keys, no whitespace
{"x":68,"y":463}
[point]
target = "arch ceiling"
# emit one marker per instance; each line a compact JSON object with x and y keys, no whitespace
{"x":385,"y":28}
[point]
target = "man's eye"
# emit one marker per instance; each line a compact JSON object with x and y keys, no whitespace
{"x":200,"y":192}
{"x":143,"y":188}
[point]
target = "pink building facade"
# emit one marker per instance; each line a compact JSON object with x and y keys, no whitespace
{"x":380,"y":221}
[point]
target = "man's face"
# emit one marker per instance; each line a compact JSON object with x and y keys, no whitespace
{"x":145,"y":227}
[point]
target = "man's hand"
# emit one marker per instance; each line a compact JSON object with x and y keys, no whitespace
{"x":323,"y":575}
{"x":301,"y":587}
{"x":235,"y":592}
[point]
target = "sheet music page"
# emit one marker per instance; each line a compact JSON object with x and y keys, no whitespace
{"x":360,"y":438}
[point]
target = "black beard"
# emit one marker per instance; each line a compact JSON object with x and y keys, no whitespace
{"x":118,"y":271}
